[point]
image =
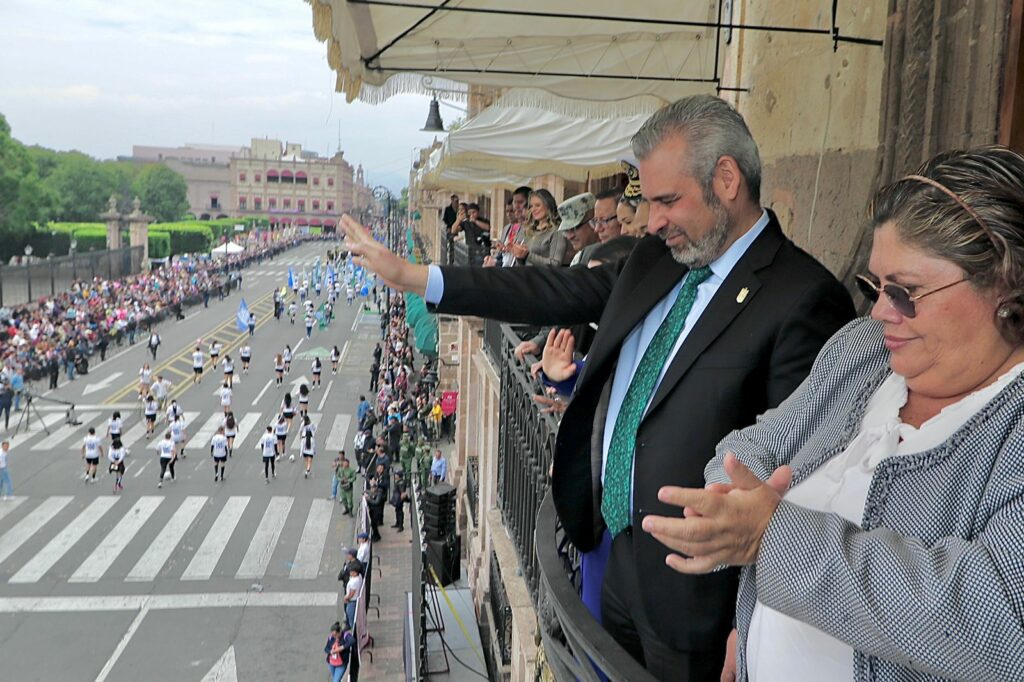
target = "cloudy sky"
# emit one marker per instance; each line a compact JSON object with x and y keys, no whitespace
{"x":102,"y":75}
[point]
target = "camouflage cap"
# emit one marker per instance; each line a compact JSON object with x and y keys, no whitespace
{"x":574,"y":210}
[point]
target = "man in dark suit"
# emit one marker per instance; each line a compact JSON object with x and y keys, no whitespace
{"x":714,"y":318}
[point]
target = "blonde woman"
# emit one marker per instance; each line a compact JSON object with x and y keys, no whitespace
{"x":543,"y":244}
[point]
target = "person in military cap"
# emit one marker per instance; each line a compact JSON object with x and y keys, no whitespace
{"x":345,"y":478}
{"x":633,"y":209}
{"x":576,"y":214}
{"x":406,"y":449}
{"x":423,"y":460}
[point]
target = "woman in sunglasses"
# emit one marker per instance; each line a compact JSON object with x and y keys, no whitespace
{"x":879,"y":511}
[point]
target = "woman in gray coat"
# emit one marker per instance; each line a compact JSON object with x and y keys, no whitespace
{"x":879,"y":511}
{"x":543,"y":244}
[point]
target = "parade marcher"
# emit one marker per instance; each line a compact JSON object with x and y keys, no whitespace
{"x":6,"y":487}
{"x":161,"y":389}
{"x":167,"y":451}
{"x":150,"y":409}
{"x":287,"y":357}
{"x":114,"y":426}
{"x":268,"y":447}
{"x":177,"y":429}
{"x":278,"y":370}
{"x":288,"y":408}
{"x":310,"y":321}
{"x":291,"y":312}
{"x":229,"y":371}
{"x":225,"y":397}
{"x":219,"y":452}
{"x":281,"y":432}
{"x":252,"y":324}
{"x":173,"y":410}
{"x":335,"y":357}
{"x":246,"y":354}
{"x":145,"y":379}
{"x":214,"y":353}
{"x":92,"y":450}
{"x":308,"y":447}
{"x":197,"y":365}
{"x":117,"y":455}
{"x":303,"y":399}
{"x":318,"y":367}
{"x":230,"y":427}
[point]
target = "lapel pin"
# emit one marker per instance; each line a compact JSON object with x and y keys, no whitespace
{"x":742,"y":296}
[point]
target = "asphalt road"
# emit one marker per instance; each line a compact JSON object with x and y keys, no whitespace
{"x":196,"y":580}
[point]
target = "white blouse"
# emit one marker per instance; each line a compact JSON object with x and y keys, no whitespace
{"x":783,"y":648}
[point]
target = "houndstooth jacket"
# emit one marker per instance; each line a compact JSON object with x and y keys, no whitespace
{"x":930,"y":586}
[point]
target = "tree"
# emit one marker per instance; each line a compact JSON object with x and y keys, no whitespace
{"x":403,"y":203}
{"x":24,"y":201}
{"x":163,"y":192}
{"x":82,"y":186}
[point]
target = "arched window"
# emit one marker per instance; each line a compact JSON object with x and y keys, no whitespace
{"x":273,"y":176}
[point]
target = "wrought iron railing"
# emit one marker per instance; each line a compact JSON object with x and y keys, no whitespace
{"x":25,"y":283}
{"x":460,"y":252}
{"x":501,"y":611}
{"x":472,"y":485}
{"x":494,"y":341}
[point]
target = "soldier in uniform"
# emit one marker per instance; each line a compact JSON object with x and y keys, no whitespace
{"x":406,"y":450}
{"x":344,"y":481}
{"x":423,"y":459}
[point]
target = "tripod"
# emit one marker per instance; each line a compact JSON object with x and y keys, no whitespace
{"x":26,"y":416}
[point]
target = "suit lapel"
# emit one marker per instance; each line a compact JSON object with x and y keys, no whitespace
{"x":728,"y":302}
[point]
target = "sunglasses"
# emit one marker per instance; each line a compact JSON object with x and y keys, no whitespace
{"x":899,"y":297}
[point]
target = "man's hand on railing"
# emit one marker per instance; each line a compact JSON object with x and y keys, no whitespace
{"x":525,"y":348}
{"x":557,"y":361}
{"x":397,"y":273}
{"x":551,"y":403}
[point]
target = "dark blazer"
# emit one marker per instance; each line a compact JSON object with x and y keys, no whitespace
{"x":747,"y":352}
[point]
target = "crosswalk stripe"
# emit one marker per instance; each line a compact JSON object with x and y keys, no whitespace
{"x":43,"y":561}
{"x":9,"y":505}
{"x":202,"y":437}
{"x":206,"y":557}
{"x":314,"y":418}
{"x":133,"y":434}
{"x":65,"y":432}
{"x":35,"y":424}
{"x":160,"y":550}
{"x":339,"y":433}
{"x":245,"y":426}
{"x":189,"y":418}
{"x":93,"y":568}
{"x":311,"y":546}
{"x":257,"y":557}
{"x":30,"y":525}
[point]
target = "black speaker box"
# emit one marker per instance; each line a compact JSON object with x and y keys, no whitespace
{"x":443,"y":557}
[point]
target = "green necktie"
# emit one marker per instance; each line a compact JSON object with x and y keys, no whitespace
{"x":619,"y":465}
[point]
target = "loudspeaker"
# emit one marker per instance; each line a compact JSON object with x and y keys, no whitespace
{"x":443,"y":557}
{"x":439,"y":521}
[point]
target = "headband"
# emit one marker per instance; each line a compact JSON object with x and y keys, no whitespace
{"x":996,"y":241}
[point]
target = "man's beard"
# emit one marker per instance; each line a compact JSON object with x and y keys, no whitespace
{"x":697,"y":254}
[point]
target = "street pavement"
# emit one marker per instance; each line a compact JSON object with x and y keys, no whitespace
{"x":196,"y":580}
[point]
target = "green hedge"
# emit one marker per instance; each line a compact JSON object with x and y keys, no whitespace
{"x":159,"y":245}
{"x":90,"y":239}
{"x":186,"y":237}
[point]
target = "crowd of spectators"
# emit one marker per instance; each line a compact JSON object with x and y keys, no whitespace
{"x":62,"y":332}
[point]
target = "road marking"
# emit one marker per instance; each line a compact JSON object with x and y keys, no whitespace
{"x":133,"y":434}
{"x":224,"y":670}
{"x":326,"y":391}
{"x":359,"y":316}
{"x":34,"y":425}
{"x":206,"y":557}
{"x":344,"y":354}
{"x":141,"y":469}
{"x":188,"y":416}
{"x":163,"y":602}
{"x":30,"y":525}
{"x":339,"y":432}
{"x":101,"y":384}
{"x":205,"y":433}
{"x":44,"y":560}
{"x":311,"y":547}
{"x":93,"y":568}
{"x":260,"y":395}
{"x":244,"y":427}
{"x":65,"y":432}
{"x":123,"y":644}
{"x":10,"y":505}
{"x":160,"y":550}
{"x":314,"y":419}
{"x":257,"y":557}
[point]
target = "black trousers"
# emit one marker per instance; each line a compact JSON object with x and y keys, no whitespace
{"x":269,"y":467}
{"x":624,"y":617}
{"x":400,"y":516}
{"x":166,"y":464}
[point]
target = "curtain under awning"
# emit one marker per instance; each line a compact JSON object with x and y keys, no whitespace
{"x":581,"y":50}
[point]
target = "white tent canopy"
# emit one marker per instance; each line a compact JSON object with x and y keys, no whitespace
{"x":522,"y":142}
{"x":465,"y":178}
{"x":582,"y":50}
{"x":227,"y":249}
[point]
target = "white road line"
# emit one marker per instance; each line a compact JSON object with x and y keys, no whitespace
{"x":344,"y":354}
{"x":245,"y":427}
{"x":296,"y":349}
{"x":67,"y":431}
{"x":10,"y":505}
{"x":123,"y":644}
{"x":206,"y":557}
{"x":93,"y":568}
{"x":160,"y":550}
{"x":306,"y":565}
{"x":30,"y":525}
{"x":339,"y":433}
{"x":141,"y":469}
{"x":35,"y":425}
{"x":189,"y":417}
{"x":163,"y":602}
{"x":359,"y":316}
{"x":257,"y":557}
{"x":260,"y":395}
{"x":133,"y":434}
{"x":202,"y":437}
{"x":314,"y":418}
{"x":44,"y":560}
{"x":326,"y":391}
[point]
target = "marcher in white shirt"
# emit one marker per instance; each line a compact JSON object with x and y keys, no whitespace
{"x":167,"y":451}
{"x":197,"y":365}
{"x":117,"y":455}
{"x":225,"y":397}
{"x":219,"y":452}
{"x":92,"y":450}
{"x":268,"y":446}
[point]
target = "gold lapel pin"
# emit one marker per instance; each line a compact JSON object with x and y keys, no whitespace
{"x":742,"y":296}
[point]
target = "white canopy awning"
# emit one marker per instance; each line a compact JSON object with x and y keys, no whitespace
{"x":227,"y":249}
{"x":523,"y":142}
{"x":581,"y":50}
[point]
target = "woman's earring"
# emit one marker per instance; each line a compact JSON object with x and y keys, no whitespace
{"x":1004,"y":312}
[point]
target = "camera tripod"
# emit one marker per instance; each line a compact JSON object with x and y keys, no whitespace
{"x":31,"y":411}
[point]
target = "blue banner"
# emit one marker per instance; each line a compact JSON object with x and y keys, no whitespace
{"x":242,"y":318}
{"x":291,"y":279}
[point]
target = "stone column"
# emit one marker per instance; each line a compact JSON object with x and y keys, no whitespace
{"x":113,"y":220}
{"x":138,"y":231}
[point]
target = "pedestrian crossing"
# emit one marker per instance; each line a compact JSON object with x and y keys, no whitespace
{"x":331,"y":432}
{"x":158,"y":537}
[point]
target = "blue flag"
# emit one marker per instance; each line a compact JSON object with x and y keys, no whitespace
{"x":243,"y":316}
{"x":330,"y":276}
{"x":291,"y":279}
